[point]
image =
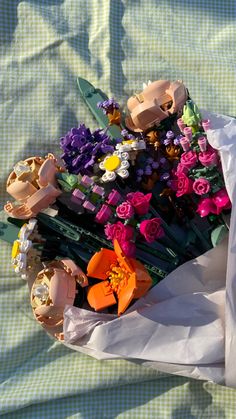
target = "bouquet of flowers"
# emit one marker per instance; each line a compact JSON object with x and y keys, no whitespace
{"x":120,"y":209}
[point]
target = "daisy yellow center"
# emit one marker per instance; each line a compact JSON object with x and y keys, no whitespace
{"x":127,"y":141}
{"x":15,"y":249}
{"x":112,"y":163}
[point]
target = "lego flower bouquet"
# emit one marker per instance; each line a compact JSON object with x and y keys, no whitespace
{"x":126,"y":228}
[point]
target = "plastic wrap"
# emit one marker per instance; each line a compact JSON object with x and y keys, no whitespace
{"x":186,"y":324}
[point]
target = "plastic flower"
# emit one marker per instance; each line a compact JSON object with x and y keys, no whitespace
{"x":19,"y":255}
{"x":127,"y":135}
{"x":169,"y":137}
{"x":151,"y":229}
{"x":139,"y":201}
{"x":111,"y":108}
{"x":177,"y":139}
{"x":125,"y":210}
{"x":183,"y":184}
{"x":221,"y":199}
{"x":119,"y":231}
{"x":218,"y":202}
{"x":208,"y":158}
{"x":108,"y":106}
{"x":113,"y":197}
{"x":82,"y":149}
{"x":167,"y":141}
{"x":103,"y":214}
{"x":191,"y":115}
{"x":21,"y":248}
{"x":206,"y":206}
{"x":181,"y":169}
{"x":115,"y":164}
{"x":27,"y":229}
{"x":189,"y":159}
{"x":201,"y":186}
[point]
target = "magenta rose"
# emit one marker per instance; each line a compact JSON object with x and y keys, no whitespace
{"x":183,"y":185}
{"x":201,"y":186}
{"x":189,"y":159}
{"x":208,"y":158}
{"x":103,"y":214}
{"x":140,"y":202}
{"x":119,"y":232}
{"x":181,"y":169}
{"x":128,"y":248}
{"x":206,"y":206}
{"x":221,"y":199}
{"x":125,"y":210}
{"x":151,"y":229}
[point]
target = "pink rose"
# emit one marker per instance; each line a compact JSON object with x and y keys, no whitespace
{"x":151,"y":229}
{"x":189,"y":159}
{"x":181,"y":169}
{"x":103,"y":214}
{"x":206,"y":206}
{"x":140,"y":202}
{"x":201,"y":186}
{"x":183,"y":185}
{"x":128,"y":248}
{"x":208,"y":158}
{"x":221,"y":199}
{"x":119,"y":231}
{"x":125,"y":210}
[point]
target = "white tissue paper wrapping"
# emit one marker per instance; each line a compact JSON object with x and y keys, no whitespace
{"x":186,"y":324}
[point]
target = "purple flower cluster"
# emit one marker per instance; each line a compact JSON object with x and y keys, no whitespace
{"x":150,"y":166}
{"x":170,"y":137}
{"x":177,"y":139}
{"x":108,"y":106}
{"x":82,"y":148}
{"x":127,"y":135}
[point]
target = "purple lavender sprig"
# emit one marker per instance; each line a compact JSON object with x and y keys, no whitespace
{"x":108,"y":106}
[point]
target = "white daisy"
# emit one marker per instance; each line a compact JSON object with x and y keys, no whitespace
{"x":115,"y":164}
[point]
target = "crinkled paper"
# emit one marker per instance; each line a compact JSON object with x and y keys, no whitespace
{"x":186,"y":324}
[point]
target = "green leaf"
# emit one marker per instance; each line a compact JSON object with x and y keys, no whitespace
{"x":218,"y":234}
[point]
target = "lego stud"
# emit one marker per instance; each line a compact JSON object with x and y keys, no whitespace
{"x":206,"y":124}
{"x":188,"y":133}
{"x":202,"y":142}
{"x":185,"y":143}
{"x":181,"y":125}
